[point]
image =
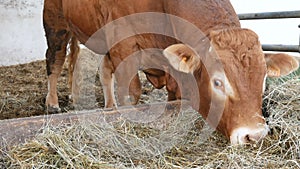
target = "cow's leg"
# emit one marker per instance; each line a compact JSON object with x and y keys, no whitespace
{"x":57,"y":40}
{"x":128,"y":82}
{"x":106,"y":77}
{"x":129,"y":88}
{"x":126,"y":61}
{"x":57,"y":36}
{"x":72,"y":58}
{"x":55,"y":58}
{"x":171,"y":86}
{"x":135,"y":89}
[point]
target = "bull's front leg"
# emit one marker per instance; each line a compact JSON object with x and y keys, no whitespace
{"x":135,"y":89}
{"x":128,"y":82}
{"x":129,"y":89}
{"x":106,"y":71}
{"x":126,"y":60}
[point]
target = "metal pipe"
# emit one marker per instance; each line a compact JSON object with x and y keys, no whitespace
{"x":282,"y":48}
{"x":270,"y":15}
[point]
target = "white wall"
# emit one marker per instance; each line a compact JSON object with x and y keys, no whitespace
{"x":22,"y":37}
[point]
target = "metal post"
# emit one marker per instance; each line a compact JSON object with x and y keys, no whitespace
{"x":270,"y":15}
{"x":282,"y":48}
{"x":299,"y":40}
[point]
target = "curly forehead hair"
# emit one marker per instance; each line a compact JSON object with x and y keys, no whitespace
{"x":243,"y":44}
{"x":234,"y":38}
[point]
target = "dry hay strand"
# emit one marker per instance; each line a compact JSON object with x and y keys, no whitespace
{"x":181,"y":144}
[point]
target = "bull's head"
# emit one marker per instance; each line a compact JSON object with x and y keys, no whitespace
{"x":238,"y":86}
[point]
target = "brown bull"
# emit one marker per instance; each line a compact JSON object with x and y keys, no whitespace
{"x":229,"y":71}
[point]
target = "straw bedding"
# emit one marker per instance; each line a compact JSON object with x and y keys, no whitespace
{"x":184,"y":142}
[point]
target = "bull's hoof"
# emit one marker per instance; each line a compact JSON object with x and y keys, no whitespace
{"x":111,"y":108}
{"x":128,"y":100}
{"x":53,"y":110}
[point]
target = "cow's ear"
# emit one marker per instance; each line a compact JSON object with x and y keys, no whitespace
{"x":182,"y":58}
{"x":280,"y":64}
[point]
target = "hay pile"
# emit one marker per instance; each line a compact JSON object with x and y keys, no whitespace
{"x":181,"y":144}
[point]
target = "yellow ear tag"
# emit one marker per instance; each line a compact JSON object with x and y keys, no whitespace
{"x":183,"y":66}
{"x":273,"y":72}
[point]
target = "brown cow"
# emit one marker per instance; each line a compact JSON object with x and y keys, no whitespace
{"x":225,"y":74}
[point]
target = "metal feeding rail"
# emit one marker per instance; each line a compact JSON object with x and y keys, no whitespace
{"x":275,"y":15}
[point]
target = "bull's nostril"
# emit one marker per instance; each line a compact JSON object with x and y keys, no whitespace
{"x":248,"y":135}
{"x":247,"y":138}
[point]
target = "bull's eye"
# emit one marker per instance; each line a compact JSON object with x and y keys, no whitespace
{"x":218,"y":83}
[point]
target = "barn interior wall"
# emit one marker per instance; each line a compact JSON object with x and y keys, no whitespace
{"x":22,"y":37}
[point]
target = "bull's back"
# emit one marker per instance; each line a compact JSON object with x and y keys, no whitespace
{"x":85,"y":17}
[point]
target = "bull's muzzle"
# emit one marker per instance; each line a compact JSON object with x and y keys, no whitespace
{"x":244,"y":135}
